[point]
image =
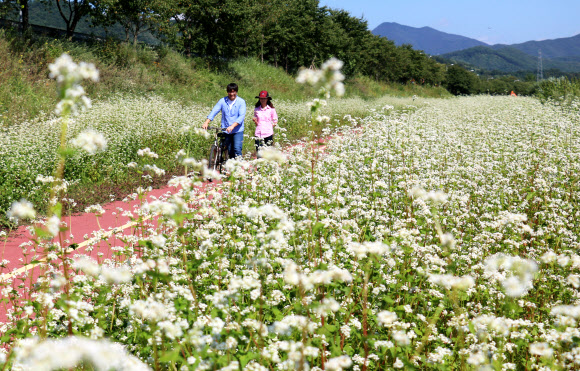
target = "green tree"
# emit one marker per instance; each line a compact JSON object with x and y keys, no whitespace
{"x":71,"y":11}
{"x":20,"y":7}
{"x":198,"y":27}
{"x":460,"y":81}
{"x":136,"y":16}
{"x":344,"y":37}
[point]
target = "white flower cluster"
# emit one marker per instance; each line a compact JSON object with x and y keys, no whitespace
{"x":307,"y":282}
{"x":68,"y":353}
{"x":436,"y":197}
{"x":566,"y":310}
{"x":110,"y":275}
{"x":272,"y":154}
{"x":361,"y":250}
{"x":520,"y":273}
{"x":541,"y":349}
{"x":329,"y":77}
{"x":21,"y":210}
{"x":68,"y":75}
{"x":95,"y":209}
{"x":150,"y":310}
{"x":386,"y":318}
{"x":452,"y":282}
{"x":338,"y":363}
{"x":66,"y":71}
{"x":91,"y":141}
{"x":164,"y":208}
{"x":52,"y":225}
{"x":147,"y":152}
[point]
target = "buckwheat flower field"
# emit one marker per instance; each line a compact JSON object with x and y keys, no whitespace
{"x":29,"y":150}
{"x":441,"y":236}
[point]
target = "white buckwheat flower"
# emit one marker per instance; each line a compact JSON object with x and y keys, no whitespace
{"x":91,"y":141}
{"x":21,"y":210}
{"x":338,"y":363}
{"x":386,"y":318}
{"x":541,"y":349}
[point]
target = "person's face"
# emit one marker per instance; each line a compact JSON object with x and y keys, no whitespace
{"x":263,"y":101}
{"x":232,"y":94}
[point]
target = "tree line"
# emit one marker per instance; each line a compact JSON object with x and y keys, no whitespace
{"x":286,"y":33}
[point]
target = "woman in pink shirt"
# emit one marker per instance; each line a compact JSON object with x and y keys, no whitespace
{"x":265,"y":118}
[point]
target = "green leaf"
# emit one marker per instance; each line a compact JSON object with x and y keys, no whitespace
{"x":348,"y":350}
{"x":318,"y":226}
{"x":247,"y":358}
{"x":171,"y":356}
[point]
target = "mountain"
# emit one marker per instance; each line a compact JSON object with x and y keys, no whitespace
{"x":510,"y":59}
{"x":553,"y":49}
{"x":425,"y":38}
{"x":562,"y":54}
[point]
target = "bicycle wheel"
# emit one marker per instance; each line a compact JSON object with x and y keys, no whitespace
{"x":213,"y":161}
{"x":224,"y":157}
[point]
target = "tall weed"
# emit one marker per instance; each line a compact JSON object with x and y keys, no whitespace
{"x":561,"y":90}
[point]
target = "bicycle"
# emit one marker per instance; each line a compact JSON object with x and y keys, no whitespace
{"x":218,"y":153}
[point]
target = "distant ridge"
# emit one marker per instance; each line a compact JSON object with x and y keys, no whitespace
{"x":510,"y":59}
{"x":562,"y":54}
{"x":555,"y":48}
{"x":425,"y":38}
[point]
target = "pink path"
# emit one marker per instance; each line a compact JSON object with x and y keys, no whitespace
{"x":80,"y":226}
{"x":113,"y":222}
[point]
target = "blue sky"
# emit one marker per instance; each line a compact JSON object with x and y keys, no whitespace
{"x":490,"y":21}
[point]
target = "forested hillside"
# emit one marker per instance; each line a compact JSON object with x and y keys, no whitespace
{"x":285,"y":33}
{"x":510,"y":59}
{"x":564,"y":47}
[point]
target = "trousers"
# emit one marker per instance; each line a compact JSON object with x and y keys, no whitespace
{"x":234,"y":143}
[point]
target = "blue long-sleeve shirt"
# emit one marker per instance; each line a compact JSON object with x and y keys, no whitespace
{"x":235,"y":113}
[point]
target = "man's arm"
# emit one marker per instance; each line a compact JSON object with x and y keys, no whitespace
{"x":216,"y":109}
{"x":205,"y":124}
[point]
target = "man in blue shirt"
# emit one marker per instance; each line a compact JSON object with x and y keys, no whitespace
{"x":233,"y":109}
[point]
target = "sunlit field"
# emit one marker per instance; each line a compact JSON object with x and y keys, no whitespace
{"x":128,"y":124}
{"x":442,"y":234}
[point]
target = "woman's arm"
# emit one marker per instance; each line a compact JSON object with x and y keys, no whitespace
{"x":274,"y":117}
{"x":255,"y":118}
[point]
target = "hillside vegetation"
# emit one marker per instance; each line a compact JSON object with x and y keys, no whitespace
{"x":287,"y":33}
{"x":26,"y":91}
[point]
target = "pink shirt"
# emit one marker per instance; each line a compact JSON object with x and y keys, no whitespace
{"x":267,"y":117}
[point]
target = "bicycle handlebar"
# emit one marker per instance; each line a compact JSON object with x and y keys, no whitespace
{"x":216,"y":128}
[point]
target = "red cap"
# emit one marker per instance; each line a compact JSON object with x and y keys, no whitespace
{"x":263,"y":94}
